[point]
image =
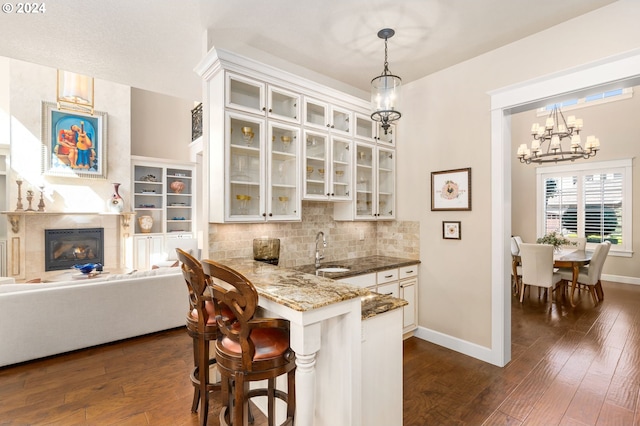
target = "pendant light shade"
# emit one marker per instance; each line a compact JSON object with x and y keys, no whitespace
{"x":75,"y":92}
{"x":385,"y":90}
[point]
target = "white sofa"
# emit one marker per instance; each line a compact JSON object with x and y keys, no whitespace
{"x":38,"y":320}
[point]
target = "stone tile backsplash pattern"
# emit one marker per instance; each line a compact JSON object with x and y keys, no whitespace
{"x":297,"y":239}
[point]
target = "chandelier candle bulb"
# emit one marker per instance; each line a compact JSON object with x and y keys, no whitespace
{"x":549,"y":123}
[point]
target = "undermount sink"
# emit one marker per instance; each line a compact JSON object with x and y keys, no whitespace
{"x":333,"y":269}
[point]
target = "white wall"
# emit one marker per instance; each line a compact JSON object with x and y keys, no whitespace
{"x":160,"y":126}
{"x":446,"y":125}
{"x":32,"y":84}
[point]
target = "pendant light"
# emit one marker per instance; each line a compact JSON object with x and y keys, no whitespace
{"x":385,"y":90}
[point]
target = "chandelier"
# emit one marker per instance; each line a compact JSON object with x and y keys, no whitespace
{"x":547,"y":144}
{"x":385,"y":90}
{"x":74,"y":92}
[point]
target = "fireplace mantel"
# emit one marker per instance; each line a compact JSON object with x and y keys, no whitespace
{"x":25,"y":254}
{"x":15,"y":217}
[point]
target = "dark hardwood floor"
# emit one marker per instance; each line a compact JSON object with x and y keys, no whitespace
{"x":570,"y":366}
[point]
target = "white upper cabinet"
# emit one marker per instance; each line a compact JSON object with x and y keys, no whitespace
{"x":298,"y":142}
{"x":257,"y":97}
{"x":328,"y":167}
{"x":374,"y":180}
{"x":323,"y":115}
{"x":263,"y":174}
{"x":371,"y":131}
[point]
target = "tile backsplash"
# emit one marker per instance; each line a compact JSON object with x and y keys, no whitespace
{"x":345,"y":240}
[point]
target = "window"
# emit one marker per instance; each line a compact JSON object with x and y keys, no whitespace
{"x":589,"y":199}
{"x":594,"y":99}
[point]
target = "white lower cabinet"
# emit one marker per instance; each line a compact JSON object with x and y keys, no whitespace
{"x":408,"y":276}
{"x":397,"y":282}
{"x":382,"y":369}
{"x":147,"y":249}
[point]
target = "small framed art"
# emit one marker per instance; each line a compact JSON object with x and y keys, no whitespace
{"x":451,"y":230}
{"x":451,"y":190}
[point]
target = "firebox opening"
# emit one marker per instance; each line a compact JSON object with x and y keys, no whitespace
{"x":67,"y":247}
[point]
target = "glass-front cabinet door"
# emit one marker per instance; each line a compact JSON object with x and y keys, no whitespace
{"x":340,"y":180}
{"x":283,"y":105}
{"x":388,"y":137}
{"x":365,"y":181}
{"x":283,"y":198}
{"x":386,"y":183}
{"x":324,"y":116}
{"x":245,"y":94}
{"x":365,"y":128}
{"x":340,"y":120}
{"x":316,"y":153}
{"x":245,"y":141}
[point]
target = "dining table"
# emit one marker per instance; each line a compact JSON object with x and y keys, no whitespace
{"x":565,"y":258}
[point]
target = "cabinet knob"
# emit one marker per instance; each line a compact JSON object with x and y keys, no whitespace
{"x":264,"y":108}
{"x":332,"y":194}
{"x":270,"y":110}
{"x":388,"y":276}
{"x":264,"y":215}
{"x":328,"y":194}
{"x":270,"y":214}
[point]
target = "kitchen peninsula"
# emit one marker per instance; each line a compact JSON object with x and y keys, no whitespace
{"x":326,"y":334}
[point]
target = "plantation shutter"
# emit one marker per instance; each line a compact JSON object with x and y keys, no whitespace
{"x":561,"y":204}
{"x":603,"y":199}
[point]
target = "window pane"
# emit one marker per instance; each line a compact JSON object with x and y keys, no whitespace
{"x":561,"y":205}
{"x":603,"y":207}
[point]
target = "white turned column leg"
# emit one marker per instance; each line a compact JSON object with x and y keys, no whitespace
{"x":305,"y":341}
{"x":305,"y":389}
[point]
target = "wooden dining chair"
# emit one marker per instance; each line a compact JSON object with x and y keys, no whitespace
{"x":589,"y":276}
{"x":537,"y":268}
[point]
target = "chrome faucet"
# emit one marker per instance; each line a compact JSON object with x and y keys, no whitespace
{"x":319,"y":256}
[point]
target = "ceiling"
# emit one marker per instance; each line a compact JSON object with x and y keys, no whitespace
{"x":155,"y":44}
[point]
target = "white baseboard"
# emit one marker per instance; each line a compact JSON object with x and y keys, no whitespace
{"x":467,"y":348}
{"x":621,"y":279}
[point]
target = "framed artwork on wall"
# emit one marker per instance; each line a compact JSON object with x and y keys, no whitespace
{"x":451,"y":190}
{"x":451,"y":230}
{"x":74,"y":143}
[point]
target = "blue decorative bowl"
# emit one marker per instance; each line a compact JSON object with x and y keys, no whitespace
{"x":87,"y":268}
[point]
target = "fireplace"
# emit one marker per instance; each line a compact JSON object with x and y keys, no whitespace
{"x":67,"y":247}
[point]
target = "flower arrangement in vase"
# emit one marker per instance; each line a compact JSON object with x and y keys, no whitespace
{"x":555,"y":239}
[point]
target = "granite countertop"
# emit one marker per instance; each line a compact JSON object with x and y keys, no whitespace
{"x":358,"y":266}
{"x":297,"y":290}
{"x":302,"y":289}
{"x":374,"y":304}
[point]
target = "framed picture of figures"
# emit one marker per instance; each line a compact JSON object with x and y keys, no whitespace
{"x":74,"y":143}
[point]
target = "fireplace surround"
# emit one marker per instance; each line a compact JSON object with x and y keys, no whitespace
{"x":67,"y":247}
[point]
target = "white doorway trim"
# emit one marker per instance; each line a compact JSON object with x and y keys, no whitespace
{"x":607,"y":71}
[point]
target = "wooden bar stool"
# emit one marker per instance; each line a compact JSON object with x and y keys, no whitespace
{"x":249,"y":349}
{"x":203,"y":328}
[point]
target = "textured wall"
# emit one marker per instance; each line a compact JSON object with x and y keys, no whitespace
{"x":297,"y":240}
